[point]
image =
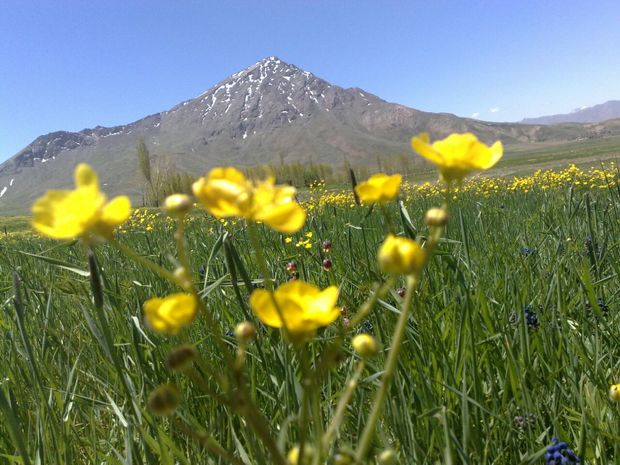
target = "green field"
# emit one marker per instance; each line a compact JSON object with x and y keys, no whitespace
{"x":479,"y":380}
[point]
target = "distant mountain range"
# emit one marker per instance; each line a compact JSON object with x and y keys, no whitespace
{"x":595,"y":114}
{"x":268,"y":113}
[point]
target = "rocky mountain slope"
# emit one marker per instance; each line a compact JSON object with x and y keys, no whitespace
{"x":594,"y":114}
{"x":271,"y":112}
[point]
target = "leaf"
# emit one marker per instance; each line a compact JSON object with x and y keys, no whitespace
{"x":59,"y":263}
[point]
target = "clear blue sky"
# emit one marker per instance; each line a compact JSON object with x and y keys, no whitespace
{"x":71,"y":64}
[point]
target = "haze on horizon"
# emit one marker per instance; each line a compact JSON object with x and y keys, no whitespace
{"x":67,"y":65}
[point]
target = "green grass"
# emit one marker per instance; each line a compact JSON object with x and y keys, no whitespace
{"x":74,"y":380}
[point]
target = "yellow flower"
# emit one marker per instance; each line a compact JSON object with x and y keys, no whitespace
{"x":458,"y":154}
{"x":380,"y":188}
{"x":226,"y":192}
{"x":83,"y":212}
{"x":399,"y":255}
{"x":365,"y":345}
{"x":614,"y":392}
{"x":288,"y":240}
{"x":169,"y":314}
{"x":304,"y":307}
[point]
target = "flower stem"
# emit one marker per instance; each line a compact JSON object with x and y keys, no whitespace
{"x":371,"y":302}
{"x":155,"y":268}
{"x":390,"y":368}
{"x":260,"y":257}
{"x":342,"y":405}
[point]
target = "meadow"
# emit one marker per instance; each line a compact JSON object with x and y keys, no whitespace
{"x":512,"y":338}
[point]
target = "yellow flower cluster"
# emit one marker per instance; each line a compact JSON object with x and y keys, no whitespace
{"x":226,"y":192}
{"x":593,"y":178}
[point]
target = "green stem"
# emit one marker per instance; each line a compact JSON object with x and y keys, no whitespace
{"x":155,"y":268}
{"x":264,"y":269}
{"x":260,"y":257}
{"x":390,"y":368}
{"x":342,"y":405}
{"x":209,"y":443}
{"x":371,"y":302}
{"x":179,"y":236}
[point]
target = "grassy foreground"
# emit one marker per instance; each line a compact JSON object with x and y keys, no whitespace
{"x":513,"y":340}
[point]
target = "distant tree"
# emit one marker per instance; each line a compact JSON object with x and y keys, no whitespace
{"x":144,"y":159}
{"x":144,"y":163}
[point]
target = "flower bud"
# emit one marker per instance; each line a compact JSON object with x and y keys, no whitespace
{"x":327,"y":264}
{"x":614,"y":393}
{"x":400,"y":255}
{"x":245,"y":332}
{"x":365,"y":345}
{"x":387,"y":457}
{"x":343,"y":458}
{"x":401,"y":291}
{"x":183,"y":278}
{"x":178,"y":205}
{"x":327,"y":246}
{"x":164,"y":400}
{"x":436,"y":217}
{"x":291,"y":267}
{"x":182,"y":357}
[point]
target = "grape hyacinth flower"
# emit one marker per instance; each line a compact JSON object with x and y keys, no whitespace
{"x":559,"y":453}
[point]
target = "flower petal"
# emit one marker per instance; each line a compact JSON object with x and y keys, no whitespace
{"x":116,"y":211}
{"x":421,"y":144}
{"x":85,"y":176}
{"x":261,"y":303}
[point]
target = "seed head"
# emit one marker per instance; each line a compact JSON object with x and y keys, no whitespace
{"x":182,"y":357}
{"x":164,"y":400}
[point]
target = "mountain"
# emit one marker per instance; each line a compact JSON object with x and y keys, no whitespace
{"x":595,"y":114}
{"x":268,"y":113}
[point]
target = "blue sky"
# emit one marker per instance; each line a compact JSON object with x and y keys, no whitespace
{"x":71,"y":64}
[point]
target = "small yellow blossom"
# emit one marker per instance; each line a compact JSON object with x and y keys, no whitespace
{"x":169,"y":314}
{"x":458,"y":154}
{"x":288,"y":240}
{"x":614,"y":392}
{"x":400,"y":255}
{"x":380,"y":188}
{"x":303,"y":306}
{"x":294,"y":457}
{"x":226,"y":192}
{"x":365,"y":345}
{"x":83,"y":212}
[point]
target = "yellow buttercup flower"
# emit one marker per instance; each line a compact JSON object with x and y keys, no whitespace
{"x":226,"y":192}
{"x":83,"y":212}
{"x":304,"y":307}
{"x":380,"y":188}
{"x":169,"y":314}
{"x":399,"y":255}
{"x":458,"y":154}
